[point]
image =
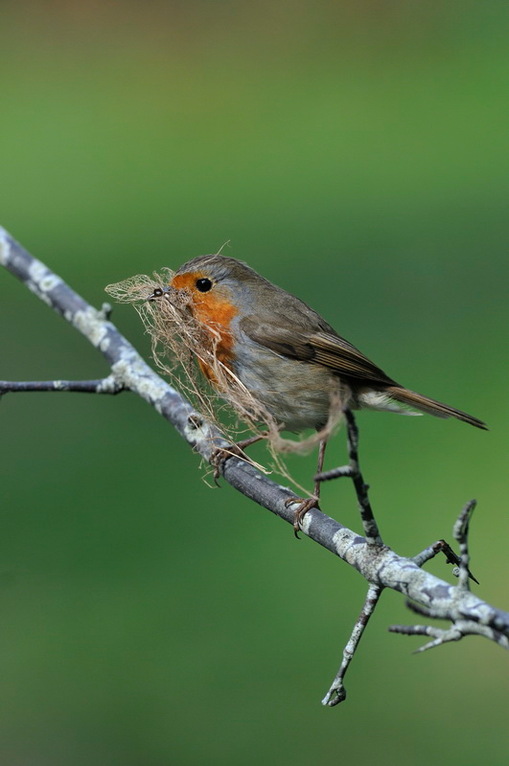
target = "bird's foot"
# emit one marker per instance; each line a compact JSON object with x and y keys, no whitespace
{"x":222,"y":454}
{"x":305,"y":505}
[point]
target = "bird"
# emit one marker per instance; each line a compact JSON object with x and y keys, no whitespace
{"x":292,"y":362}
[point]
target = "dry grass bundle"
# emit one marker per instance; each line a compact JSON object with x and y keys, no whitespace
{"x":182,"y":348}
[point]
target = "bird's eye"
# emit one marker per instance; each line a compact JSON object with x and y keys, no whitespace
{"x":203,"y":284}
{"x":158,"y":292}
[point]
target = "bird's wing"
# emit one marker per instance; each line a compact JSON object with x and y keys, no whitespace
{"x":317,"y":347}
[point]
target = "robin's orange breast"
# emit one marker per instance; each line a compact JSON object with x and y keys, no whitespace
{"x":215,"y":314}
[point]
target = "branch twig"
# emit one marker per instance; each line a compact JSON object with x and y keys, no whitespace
{"x":441,"y":546}
{"x":353,"y":471}
{"x":337,"y":691}
{"x":460,"y":533}
{"x":102,"y":386}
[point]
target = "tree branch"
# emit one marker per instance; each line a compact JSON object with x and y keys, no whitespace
{"x":377,"y":563}
{"x":102,"y":386}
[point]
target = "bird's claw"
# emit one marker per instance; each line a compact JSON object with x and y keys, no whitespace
{"x":305,"y":505}
{"x":222,"y":454}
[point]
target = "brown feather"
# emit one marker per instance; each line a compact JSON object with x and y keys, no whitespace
{"x":336,"y":353}
{"x":327,"y":349}
{"x":431,"y":406}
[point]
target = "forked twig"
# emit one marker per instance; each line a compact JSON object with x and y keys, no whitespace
{"x":463,"y":624}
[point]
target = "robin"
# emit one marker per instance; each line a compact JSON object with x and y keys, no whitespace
{"x":290,"y":359}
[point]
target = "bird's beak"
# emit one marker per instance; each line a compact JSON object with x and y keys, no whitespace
{"x":159,"y":292}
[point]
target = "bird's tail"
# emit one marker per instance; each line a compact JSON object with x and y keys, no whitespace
{"x":431,"y":406}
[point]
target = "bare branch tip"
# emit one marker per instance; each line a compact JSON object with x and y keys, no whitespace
{"x":334,"y":697}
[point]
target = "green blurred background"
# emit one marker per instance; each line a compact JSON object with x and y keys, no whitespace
{"x":357,"y":154}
